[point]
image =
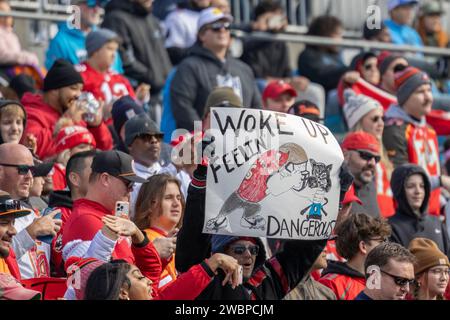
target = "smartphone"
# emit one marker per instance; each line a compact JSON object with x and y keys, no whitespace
{"x":241,"y":275}
{"x":48,"y":238}
{"x":122,"y":209}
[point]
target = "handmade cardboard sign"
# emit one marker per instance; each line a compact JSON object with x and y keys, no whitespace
{"x":271,"y":175}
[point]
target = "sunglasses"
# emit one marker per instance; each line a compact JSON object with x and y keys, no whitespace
{"x":148,"y":137}
{"x":22,"y":169}
{"x":217,"y":26}
{"x":368,"y":156}
{"x":128,"y":184}
{"x":377,"y":118}
{"x":10,"y":205}
{"x":400,"y":281}
{"x":240,"y":249}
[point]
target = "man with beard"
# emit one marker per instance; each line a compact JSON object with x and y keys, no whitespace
{"x":361,"y":153}
{"x":9,"y":211}
{"x":62,"y":87}
{"x":143,"y":139}
{"x":407,"y":136}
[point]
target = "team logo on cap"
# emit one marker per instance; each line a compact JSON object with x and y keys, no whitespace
{"x":216,"y":11}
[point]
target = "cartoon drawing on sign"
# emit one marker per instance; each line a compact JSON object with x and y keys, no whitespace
{"x":273,"y":173}
{"x":320,"y":180}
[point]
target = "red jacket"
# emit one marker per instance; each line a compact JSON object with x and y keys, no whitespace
{"x":345,"y":282}
{"x":59,"y":177}
{"x":107,"y":86}
{"x":13,"y":267}
{"x":186,"y":287}
{"x":86,"y":220}
{"x":41,"y":120}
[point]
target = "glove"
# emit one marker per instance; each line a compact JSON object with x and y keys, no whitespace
{"x":346,"y":180}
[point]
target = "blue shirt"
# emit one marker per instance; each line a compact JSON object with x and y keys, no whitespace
{"x":69,"y":44}
{"x":362,"y":296}
{"x":403,"y":34}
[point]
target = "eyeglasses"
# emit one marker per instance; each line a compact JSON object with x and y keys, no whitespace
{"x":22,"y":169}
{"x":9,"y":205}
{"x":400,"y":281}
{"x":128,"y":184}
{"x":377,"y":118}
{"x":147,"y":137}
{"x":368,"y":156}
{"x":240,"y":249}
{"x":370,"y":66}
{"x":444,"y":272}
{"x":217,"y":26}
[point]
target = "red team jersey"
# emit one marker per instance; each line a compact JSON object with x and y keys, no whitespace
{"x":423,"y":150}
{"x":253,"y":187}
{"x":107,"y":86}
{"x":384,"y":193}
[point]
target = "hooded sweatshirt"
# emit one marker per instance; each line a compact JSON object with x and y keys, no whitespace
{"x":144,"y":56}
{"x":199,"y":74}
{"x":41,"y":123}
{"x":409,"y":140}
{"x":345,"y":282}
{"x":4,"y":103}
{"x":407,"y":225}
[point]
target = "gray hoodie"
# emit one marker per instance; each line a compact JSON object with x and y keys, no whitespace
{"x":199,"y":74}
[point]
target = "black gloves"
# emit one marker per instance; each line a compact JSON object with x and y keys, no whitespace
{"x":346,"y":180}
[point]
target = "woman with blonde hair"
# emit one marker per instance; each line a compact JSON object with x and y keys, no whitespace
{"x":159,"y":212}
{"x":363,"y":113}
{"x":431,"y":270}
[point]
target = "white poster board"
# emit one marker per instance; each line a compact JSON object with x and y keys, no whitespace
{"x":271,"y":175}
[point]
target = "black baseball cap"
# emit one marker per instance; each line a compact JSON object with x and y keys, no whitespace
{"x":140,"y":124}
{"x":42,"y":169}
{"x":11,"y":207}
{"x":116,"y":163}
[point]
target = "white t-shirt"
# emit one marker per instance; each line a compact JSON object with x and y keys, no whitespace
{"x":181,"y":28}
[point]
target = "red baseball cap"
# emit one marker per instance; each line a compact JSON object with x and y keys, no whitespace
{"x":72,"y":136}
{"x":361,"y":140}
{"x":276,"y":88}
{"x":350,"y":196}
{"x":11,"y":289}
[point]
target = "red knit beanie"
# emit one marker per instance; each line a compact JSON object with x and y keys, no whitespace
{"x":72,"y":136}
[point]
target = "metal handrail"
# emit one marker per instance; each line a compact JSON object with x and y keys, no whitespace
{"x":36,"y":16}
{"x":350,"y":43}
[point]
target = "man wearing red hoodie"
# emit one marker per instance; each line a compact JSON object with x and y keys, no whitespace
{"x":111,"y":180}
{"x":62,"y":87}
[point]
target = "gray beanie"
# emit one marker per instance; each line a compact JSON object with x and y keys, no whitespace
{"x":97,"y":39}
{"x":407,"y":81}
{"x":357,"y":106}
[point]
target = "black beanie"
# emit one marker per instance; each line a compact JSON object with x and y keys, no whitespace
{"x":61,"y":74}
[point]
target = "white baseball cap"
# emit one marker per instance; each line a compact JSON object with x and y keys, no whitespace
{"x":211,"y":15}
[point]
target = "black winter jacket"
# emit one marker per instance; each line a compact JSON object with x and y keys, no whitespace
{"x":271,"y":280}
{"x":198,"y":75}
{"x":321,"y":67}
{"x":143,"y":53}
{"x":406,"y":225}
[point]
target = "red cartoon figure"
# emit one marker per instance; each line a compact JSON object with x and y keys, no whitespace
{"x":274,"y":172}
